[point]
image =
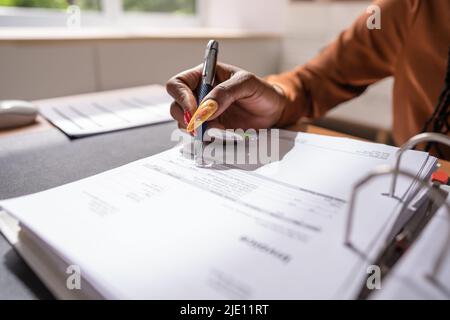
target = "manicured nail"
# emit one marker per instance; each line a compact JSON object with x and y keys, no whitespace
{"x":187,"y":117}
{"x":203,"y":113}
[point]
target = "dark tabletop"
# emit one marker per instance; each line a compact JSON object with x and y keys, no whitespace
{"x":38,"y":161}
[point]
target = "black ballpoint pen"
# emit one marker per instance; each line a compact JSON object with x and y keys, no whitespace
{"x":206,"y":85}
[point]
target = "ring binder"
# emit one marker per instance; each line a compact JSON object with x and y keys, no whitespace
{"x":434,"y":194}
{"x":411,"y":143}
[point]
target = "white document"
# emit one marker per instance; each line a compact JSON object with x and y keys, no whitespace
{"x":162,"y":228}
{"x":410,"y":278}
{"x":94,"y":113}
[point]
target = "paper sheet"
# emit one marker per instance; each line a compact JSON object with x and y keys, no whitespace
{"x":162,"y":228}
{"x":94,"y":113}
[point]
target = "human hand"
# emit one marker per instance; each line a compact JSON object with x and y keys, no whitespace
{"x":239,"y":100}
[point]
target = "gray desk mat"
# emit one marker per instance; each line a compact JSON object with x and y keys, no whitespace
{"x":43,"y":160}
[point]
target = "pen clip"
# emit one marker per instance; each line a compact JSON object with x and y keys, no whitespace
{"x":209,"y":65}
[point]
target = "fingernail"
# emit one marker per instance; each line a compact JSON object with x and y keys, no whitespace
{"x":203,"y":113}
{"x":187,"y":117}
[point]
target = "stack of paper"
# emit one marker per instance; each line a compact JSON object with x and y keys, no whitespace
{"x":163,"y":228}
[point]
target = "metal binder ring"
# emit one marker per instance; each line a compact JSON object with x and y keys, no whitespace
{"x":434,"y":194}
{"x":411,"y":143}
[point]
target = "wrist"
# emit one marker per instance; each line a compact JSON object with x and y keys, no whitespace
{"x":282,"y":101}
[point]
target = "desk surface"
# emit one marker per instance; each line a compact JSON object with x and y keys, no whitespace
{"x":40,"y":157}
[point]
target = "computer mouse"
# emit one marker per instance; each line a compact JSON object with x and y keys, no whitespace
{"x":16,"y":113}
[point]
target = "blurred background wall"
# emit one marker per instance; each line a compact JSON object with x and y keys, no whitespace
{"x":35,"y":69}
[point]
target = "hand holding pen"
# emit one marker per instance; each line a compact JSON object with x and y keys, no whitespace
{"x":239,"y":99}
